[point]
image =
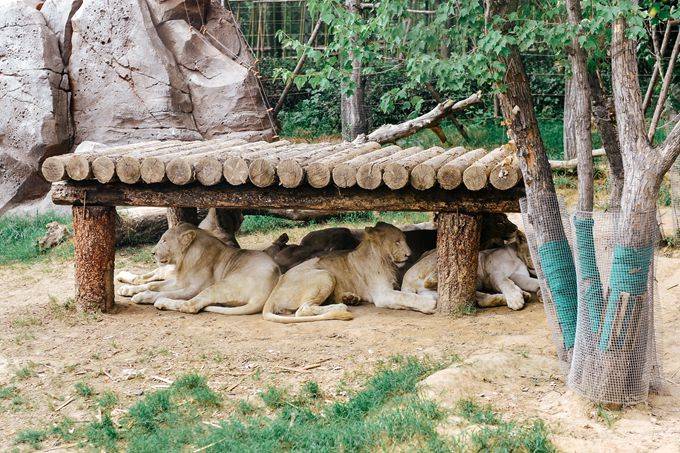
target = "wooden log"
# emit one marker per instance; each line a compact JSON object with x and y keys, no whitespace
{"x":318,"y":172}
{"x":104,"y":165}
{"x":571,"y":164}
{"x":291,"y":170}
{"x":450,"y":175}
{"x":55,"y":168}
{"x":179,"y":169}
{"x":262,"y":171}
{"x":178,"y":215}
{"x":129,"y":167}
{"x":345,"y":174}
{"x":424,"y":175}
{"x":458,"y":236}
{"x":208,"y":167}
{"x":370,"y":175}
{"x":506,"y":174}
{"x":389,"y":133}
{"x":95,"y":240}
{"x":476,"y":175}
{"x":396,"y":174}
{"x":235,"y":168}
{"x":304,"y":197}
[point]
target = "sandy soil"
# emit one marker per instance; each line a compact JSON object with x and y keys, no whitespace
{"x":508,"y":356}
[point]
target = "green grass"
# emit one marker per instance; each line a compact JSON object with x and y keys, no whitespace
{"x":19,"y":236}
{"x":385,"y":414}
{"x":83,"y":389}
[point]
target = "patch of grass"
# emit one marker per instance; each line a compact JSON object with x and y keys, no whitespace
{"x":25,"y":321}
{"x":492,"y":433}
{"x":606,"y":416}
{"x":274,"y":397}
{"x":83,"y":389}
{"x":61,"y":310}
{"x":245,"y":408}
{"x":107,"y":401}
{"x":19,"y":236}
{"x":8,"y":392}
{"x":564,"y":182}
{"x":26,"y":371}
{"x":263,"y":223}
{"x":32,"y":437}
{"x":311,"y":389}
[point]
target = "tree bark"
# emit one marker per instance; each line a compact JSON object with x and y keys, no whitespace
{"x":458,"y":237}
{"x":580,"y":98}
{"x":95,"y":241}
{"x":177,"y":215}
{"x":568,"y":134}
{"x":352,"y":108}
{"x":605,"y":121}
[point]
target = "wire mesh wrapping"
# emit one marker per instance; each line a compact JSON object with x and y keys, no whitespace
{"x":674,"y":178}
{"x":615,"y":357}
{"x":554,"y":263}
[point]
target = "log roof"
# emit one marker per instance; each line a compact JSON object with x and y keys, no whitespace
{"x":234,"y":162}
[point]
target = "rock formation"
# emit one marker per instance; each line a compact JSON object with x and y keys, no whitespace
{"x":34,"y":114}
{"x":134,"y":70}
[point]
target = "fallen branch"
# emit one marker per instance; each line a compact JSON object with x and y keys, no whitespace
{"x":69,"y":401}
{"x":389,"y":133}
{"x":572,"y":163}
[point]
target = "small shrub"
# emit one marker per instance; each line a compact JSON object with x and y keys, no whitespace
{"x":107,"y":401}
{"x":32,"y":437}
{"x":26,"y":371}
{"x":311,"y":390}
{"x":475,"y":413}
{"x":273,"y":397}
{"x":245,"y":408}
{"x":8,"y":392}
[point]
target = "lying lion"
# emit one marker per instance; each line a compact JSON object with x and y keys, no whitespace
{"x":504,"y":270}
{"x":365,"y":274}
{"x":208,"y":274}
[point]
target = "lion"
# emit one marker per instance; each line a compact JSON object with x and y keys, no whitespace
{"x":315,"y":244}
{"x":208,"y":275}
{"x":212,"y":224}
{"x":365,"y":274}
{"x":505,"y":270}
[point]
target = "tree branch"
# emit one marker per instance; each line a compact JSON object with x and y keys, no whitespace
{"x":658,"y":68}
{"x":391,"y":132}
{"x":664,"y":90}
{"x":670,"y":148}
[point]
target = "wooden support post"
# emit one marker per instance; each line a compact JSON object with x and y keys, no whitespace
{"x":95,"y":241}
{"x":177,"y":215}
{"x":458,"y":238}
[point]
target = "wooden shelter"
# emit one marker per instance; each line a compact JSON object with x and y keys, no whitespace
{"x":458,"y":184}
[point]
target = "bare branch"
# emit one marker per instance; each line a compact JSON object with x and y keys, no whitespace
{"x":664,"y":90}
{"x":658,"y":67}
{"x":391,"y":132}
{"x":670,"y":148}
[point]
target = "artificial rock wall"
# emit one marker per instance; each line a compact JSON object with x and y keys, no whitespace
{"x":118,"y":72}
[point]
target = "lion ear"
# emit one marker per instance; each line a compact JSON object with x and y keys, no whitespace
{"x":186,"y":238}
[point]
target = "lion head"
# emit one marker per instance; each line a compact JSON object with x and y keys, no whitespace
{"x":174,"y":243}
{"x":391,"y":242}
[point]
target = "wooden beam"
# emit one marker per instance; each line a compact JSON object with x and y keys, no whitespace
{"x":95,"y":242}
{"x":487,"y":200}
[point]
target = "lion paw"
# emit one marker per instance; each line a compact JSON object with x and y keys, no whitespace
{"x":351,"y":299}
{"x":429,"y":306}
{"x":125,"y":277}
{"x":146,"y":297}
{"x":127,"y":290}
{"x":516,"y":303}
{"x":188,"y":308}
{"x":163,"y":303}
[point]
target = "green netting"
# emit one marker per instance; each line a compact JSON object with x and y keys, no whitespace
{"x":557,"y":265}
{"x":629,"y":271}
{"x":589,"y":275}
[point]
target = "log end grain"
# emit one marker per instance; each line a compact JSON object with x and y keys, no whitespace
{"x":475,"y":177}
{"x":152,"y":170}
{"x":290,"y":173}
{"x":423,"y":177}
{"x":208,"y":170}
{"x":504,"y":178}
{"x":235,"y":170}
{"x":103,"y":169}
{"x":449,"y":177}
{"x":262,"y":172}
{"x":395,"y":176}
{"x":179,"y":171}
{"x":128,"y":169}
{"x":369,"y":176}
{"x":54,"y":169}
{"x":318,"y":175}
{"x":345,"y":175}
{"x":78,"y":167}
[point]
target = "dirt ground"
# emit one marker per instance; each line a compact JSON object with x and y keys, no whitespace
{"x":508,"y":358}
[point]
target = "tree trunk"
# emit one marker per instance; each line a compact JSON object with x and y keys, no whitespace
{"x":580,"y":99}
{"x":605,"y":121}
{"x":458,"y":237}
{"x":352,"y":109}
{"x":177,"y":215}
{"x":568,"y":134}
{"x":95,"y":240}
